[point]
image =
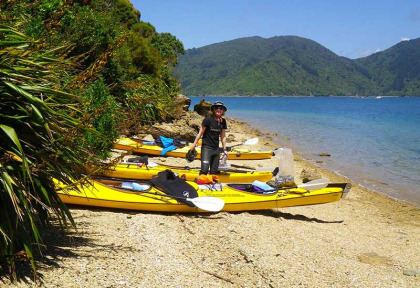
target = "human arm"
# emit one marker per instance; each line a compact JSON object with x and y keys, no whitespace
{"x":198,"y":137}
{"x":223,"y":140}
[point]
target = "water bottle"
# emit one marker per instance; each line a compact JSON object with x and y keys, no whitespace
{"x":285,"y":177}
{"x":223,"y":166}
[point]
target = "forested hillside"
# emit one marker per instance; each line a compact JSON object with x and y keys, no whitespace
{"x":290,"y":65}
{"x":396,"y":70}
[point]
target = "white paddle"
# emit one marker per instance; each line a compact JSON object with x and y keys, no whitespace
{"x":211,"y":204}
{"x":315,"y":184}
{"x":251,"y":141}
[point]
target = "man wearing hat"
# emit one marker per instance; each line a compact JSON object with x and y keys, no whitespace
{"x":212,"y":127}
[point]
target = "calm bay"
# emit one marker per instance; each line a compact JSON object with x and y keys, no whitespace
{"x":374,"y":141}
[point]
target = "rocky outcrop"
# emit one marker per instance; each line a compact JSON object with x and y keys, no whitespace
{"x":182,"y":105}
{"x":203,"y":108}
{"x":310,"y":174}
{"x":186,"y":127}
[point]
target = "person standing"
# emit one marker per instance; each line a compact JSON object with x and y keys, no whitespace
{"x":212,"y":128}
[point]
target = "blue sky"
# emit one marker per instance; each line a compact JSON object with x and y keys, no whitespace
{"x":351,"y":28}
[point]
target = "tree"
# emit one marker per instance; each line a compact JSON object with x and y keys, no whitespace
{"x":169,"y":47}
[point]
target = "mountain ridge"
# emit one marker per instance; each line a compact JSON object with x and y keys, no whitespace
{"x":296,"y":66}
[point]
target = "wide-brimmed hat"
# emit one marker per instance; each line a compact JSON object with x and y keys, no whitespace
{"x":220,"y":104}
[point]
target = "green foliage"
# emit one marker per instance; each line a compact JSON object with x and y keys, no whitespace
{"x":48,"y":8}
{"x":145,"y":29}
{"x":107,"y":40}
{"x":169,"y":47}
{"x":38,"y":144}
{"x":124,"y":12}
{"x":90,"y":32}
{"x":147,"y":99}
{"x":295,"y":66}
{"x":142,"y":56}
{"x":396,"y":70}
{"x":121,"y":75}
{"x":100,"y":108}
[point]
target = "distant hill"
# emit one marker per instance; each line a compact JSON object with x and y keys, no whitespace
{"x":397,"y":69}
{"x":290,"y":65}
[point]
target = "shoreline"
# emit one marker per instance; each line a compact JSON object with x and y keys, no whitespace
{"x":282,"y":140}
{"x":389,"y":168}
{"x":279,"y":141}
{"x":364,"y":240}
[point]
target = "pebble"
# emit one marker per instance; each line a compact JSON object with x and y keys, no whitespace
{"x":413,"y":272}
{"x":324,"y":154}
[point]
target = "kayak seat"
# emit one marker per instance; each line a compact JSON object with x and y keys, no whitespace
{"x":252,"y":188}
{"x":246,"y":187}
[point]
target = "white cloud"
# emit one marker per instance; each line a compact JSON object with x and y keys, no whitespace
{"x":405,"y":39}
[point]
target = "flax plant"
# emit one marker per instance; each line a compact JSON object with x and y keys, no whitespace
{"x":37,"y":144}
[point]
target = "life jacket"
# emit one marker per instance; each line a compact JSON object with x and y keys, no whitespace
{"x":168,"y":182}
{"x":207,"y":179}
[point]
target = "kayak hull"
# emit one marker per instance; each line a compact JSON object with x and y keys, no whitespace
{"x":98,"y":194}
{"x":137,"y":146}
{"x":144,"y":172}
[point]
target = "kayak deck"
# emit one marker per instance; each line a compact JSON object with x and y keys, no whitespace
{"x":139,"y":146}
{"x":145,"y":172}
{"x":110,"y":194}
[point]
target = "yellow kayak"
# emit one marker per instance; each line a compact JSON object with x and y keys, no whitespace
{"x":143,"y":147}
{"x":143,"y":171}
{"x":110,"y":193}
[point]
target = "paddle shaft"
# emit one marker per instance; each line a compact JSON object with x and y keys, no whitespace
{"x":153,"y":193}
{"x":210,"y":204}
{"x":320,"y":186}
{"x":186,"y":168}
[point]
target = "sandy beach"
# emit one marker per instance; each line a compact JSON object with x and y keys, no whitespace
{"x":364,"y":240}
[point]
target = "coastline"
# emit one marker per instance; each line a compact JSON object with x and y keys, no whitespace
{"x":322,"y":162}
{"x":379,"y":165}
{"x":365,"y":240}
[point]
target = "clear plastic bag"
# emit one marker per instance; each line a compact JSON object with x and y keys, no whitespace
{"x":285,"y":177}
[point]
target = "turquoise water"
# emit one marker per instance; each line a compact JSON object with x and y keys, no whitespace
{"x":373,"y":141}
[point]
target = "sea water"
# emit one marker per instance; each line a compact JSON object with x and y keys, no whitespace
{"x":374,"y":141}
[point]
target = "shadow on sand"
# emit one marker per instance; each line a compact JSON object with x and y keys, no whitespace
{"x":290,"y":216}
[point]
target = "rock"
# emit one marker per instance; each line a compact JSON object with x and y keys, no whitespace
{"x":324,"y":154}
{"x":148,"y":137}
{"x":374,"y":259}
{"x":309,"y":174}
{"x":203,"y":108}
{"x":231,"y":138}
{"x":411,"y":272}
{"x":173,"y":130}
{"x":193,"y":120}
{"x":183,"y":103}
{"x":185,"y":127}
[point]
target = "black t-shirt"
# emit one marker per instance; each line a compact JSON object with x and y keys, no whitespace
{"x":213,"y":129}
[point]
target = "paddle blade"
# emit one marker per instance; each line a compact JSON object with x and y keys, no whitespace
{"x":315,"y":184}
{"x":211,"y":204}
{"x":251,"y":141}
